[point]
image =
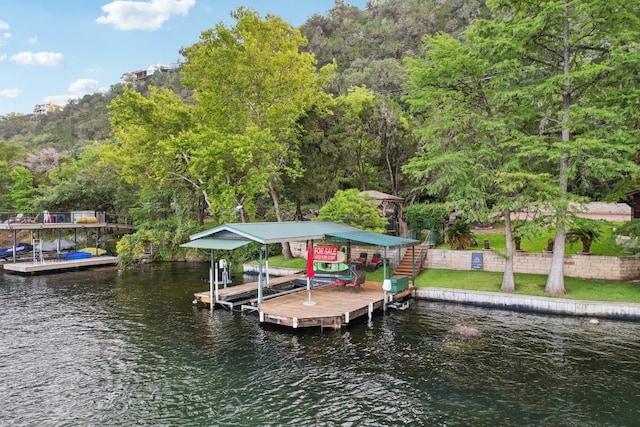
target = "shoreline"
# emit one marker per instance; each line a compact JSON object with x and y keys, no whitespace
{"x":534,"y":304}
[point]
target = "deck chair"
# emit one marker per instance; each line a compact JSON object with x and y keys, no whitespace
{"x":376,"y":261}
{"x":355,"y":283}
{"x":339,"y":283}
{"x":360,"y":261}
{"x":18,"y":218}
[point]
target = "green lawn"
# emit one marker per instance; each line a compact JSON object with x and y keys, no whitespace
{"x":606,"y":245}
{"x":526,"y":284}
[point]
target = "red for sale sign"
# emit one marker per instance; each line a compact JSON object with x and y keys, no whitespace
{"x":326,"y":253}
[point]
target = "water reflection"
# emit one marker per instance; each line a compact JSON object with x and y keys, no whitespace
{"x":101,"y":348}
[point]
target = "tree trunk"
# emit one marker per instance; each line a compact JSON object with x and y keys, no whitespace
{"x":275,"y":197}
{"x":555,"y":280}
{"x":508,"y":281}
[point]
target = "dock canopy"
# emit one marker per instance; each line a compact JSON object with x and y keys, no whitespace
{"x":279,"y":232}
{"x":220,"y":244}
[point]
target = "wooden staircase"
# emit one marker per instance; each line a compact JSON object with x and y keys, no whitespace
{"x":408,"y":266}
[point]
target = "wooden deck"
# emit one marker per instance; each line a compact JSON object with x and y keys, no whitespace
{"x":330,"y":307}
{"x":55,"y":265}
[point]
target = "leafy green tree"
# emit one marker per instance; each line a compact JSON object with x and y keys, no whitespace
{"x":8,"y":155}
{"x":577,"y":94}
{"x":23,"y":191}
{"x":325,"y":158}
{"x":472,"y":156}
{"x":253,"y":80}
{"x":150,"y":149}
{"x":348,"y":207}
{"x":358,"y":108}
{"x":85,"y":183}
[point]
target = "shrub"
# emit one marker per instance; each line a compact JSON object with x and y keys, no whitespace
{"x":427,"y":215}
{"x":586,"y":231}
{"x":459,"y":235}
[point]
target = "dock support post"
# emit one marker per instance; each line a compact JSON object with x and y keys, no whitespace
{"x":260,"y":273}
{"x":15,"y":244}
{"x":213,"y":274}
{"x":384,"y":303}
{"x":370,"y":310}
{"x":211,"y":294}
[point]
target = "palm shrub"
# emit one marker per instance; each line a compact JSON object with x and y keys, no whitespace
{"x":586,"y":231}
{"x":459,"y":235}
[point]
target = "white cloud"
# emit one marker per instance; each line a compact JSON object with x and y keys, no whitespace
{"x":9,"y":93}
{"x":82,"y":87}
{"x":3,"y":57}
{"x":33,"y":40}
{"x":137,"y":15}
{"x":77,"y":89}
{"x":6,"y":35}
{"x":49,"y":59}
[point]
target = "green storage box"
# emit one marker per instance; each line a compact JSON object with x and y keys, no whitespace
{"x":399,"y":284}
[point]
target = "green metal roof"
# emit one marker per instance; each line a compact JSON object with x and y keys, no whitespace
{"x":375,"y":239}
{"x":222,"y":244}
{"x":278,"y":232}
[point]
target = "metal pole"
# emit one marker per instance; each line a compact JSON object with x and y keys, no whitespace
{"x":211,"y":275}
{"x":266,"y":262}
{"x":260,"y":277}
{"x":15,"y":244}
{"x":384,"y":264}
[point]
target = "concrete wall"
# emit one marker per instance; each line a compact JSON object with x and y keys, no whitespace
{"x":583,"y":266}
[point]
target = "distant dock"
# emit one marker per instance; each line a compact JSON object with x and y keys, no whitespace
{"x":56,"y":265}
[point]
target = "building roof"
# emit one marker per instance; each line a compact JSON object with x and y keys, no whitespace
{"x":377,"y":195}
{"x":279,"y":232}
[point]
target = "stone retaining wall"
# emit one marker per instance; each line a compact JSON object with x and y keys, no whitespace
{"x":582,"y":266}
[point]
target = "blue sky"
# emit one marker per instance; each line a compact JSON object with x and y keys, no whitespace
{"x":51,"y":51}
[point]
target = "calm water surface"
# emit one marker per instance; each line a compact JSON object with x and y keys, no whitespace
{"x":103,"y":348}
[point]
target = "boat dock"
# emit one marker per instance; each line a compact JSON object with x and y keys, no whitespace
{"x":330,"y":303}
{"x":55,"y":265}
{"x":326,"y":306}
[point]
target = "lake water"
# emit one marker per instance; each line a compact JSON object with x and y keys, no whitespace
{"x":103,"y":348}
